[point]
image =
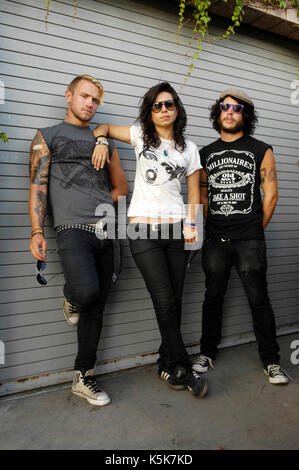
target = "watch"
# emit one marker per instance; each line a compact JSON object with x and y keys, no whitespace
{"x":102,"y":142}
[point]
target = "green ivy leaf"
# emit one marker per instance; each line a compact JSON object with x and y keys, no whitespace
{"x":4,"y":138}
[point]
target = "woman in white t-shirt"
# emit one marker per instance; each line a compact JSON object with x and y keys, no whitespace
{"x":159,"y":224}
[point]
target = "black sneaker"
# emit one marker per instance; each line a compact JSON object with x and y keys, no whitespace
{"x":197,"y":385}
{"x":276,"y":374}
{"x":164,"y":374}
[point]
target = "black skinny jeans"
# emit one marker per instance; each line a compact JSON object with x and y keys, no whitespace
{"x":87,"y":265}
{"x":249,"y":258}
{"x":162,"y":264}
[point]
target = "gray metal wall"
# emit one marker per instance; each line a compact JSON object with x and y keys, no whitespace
{"x":129,"y":45}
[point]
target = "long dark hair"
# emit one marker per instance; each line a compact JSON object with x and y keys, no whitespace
{"x":250,"y":117}
{"x":150,"y":135}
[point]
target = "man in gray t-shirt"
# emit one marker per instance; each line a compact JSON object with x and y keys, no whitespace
{"x":61,"y":171}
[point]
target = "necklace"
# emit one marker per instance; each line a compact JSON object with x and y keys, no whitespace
{"x":168,"y":147}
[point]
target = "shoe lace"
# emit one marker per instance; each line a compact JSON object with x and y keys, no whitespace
{"x":91,"y":383}
{"x":73,"y":309}
{"x":276,"y":369}
{"x":201,"y":360}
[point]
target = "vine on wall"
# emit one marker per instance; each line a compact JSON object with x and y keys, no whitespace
{"x":197,"y":12}
{"x":3,"y":137}
{"x":48,"y":7}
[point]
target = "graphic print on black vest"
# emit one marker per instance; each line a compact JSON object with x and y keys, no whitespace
{"x":157,"y":169}
{"x":71,"y":164}
{"x":231,"y":176}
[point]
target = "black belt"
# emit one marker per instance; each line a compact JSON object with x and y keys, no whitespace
{"x":219,"y":239}
{"x":98,"y":229}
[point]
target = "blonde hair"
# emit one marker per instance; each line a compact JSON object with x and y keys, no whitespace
{"x":71,"y":87}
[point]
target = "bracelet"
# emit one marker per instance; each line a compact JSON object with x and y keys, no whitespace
{"x":190,"y":224}
{"x":36,"y":233}
{"x":101,"y":136}
{"x":101,"y":142}
{"x":39,"y":229}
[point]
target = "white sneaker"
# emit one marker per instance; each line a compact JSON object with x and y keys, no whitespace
{"x":276,"y":375}
{"x":71,"y":313}
{"x":202,"y":363}
{"x":86,"y":387}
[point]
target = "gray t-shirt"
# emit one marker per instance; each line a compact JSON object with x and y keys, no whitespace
{"x":76,"y":189}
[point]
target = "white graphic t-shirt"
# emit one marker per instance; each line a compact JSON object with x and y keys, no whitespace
{"x":159,"y":173}
{"x":233,"y":173}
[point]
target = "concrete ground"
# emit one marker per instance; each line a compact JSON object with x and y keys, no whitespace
{"x":242,"y":410}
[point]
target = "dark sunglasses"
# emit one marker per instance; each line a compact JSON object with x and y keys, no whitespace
{"x":169,"y":104}
{"x":237,"y":108}
{"x":40,"y":267}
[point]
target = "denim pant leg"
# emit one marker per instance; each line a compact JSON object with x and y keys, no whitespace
{"x":152,"y":259}
{"x":216,"y":263}
{"x":87,"y":265}
{"x":251,"y":264}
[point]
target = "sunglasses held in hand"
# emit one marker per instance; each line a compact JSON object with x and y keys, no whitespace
{"x":40,"y":267}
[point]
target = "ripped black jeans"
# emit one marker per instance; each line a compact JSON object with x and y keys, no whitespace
{"x":249,"y":259}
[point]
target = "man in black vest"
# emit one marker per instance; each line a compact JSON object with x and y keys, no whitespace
{"x":234,"y":168}
{"x":61,"y":170}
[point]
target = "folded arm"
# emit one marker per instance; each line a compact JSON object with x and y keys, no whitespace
{"x":101,"y":152}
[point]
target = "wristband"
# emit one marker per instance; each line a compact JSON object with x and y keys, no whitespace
{"x":190,"y":224}
{"x":98,"y":136}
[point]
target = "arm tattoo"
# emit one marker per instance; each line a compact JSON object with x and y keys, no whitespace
{"x":271,"y":175}
{"x":39,"y":160}
{"x":203,"y":184}
{"x":263,"y":175}
{"x":41,"y":207}
{"x":39,"y":176}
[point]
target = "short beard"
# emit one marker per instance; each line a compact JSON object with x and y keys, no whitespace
{"x":83,"y":119}
{"x":232,"y":130}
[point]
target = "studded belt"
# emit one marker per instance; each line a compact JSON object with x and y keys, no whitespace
{"x":99,"y":228}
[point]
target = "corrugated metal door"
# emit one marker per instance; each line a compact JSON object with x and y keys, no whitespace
{"x":130,"y":46}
